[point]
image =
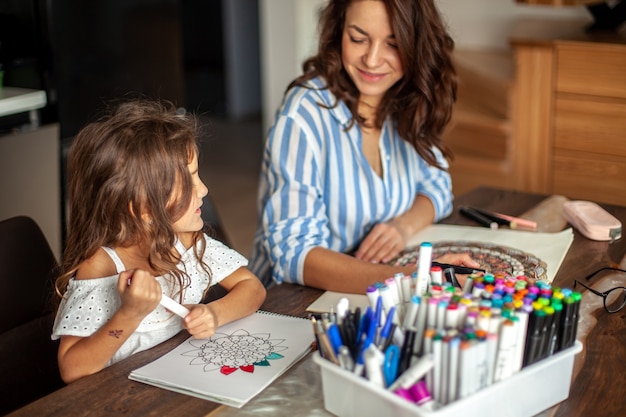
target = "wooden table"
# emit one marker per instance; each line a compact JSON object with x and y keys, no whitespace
{"x":597,"y":388}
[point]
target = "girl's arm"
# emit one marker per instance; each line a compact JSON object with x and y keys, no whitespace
{"x":245,"y":296}
{"x":82,"y":356}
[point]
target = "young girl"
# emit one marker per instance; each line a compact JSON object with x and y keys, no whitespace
{"x":135,"y":233}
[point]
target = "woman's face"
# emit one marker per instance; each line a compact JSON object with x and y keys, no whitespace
{"x":369,"y":51}
{"x":191,"y":221}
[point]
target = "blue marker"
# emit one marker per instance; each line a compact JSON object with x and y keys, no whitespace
{"x":334,"y":337}
{"x":391,"y":364}
{"x":385,"y":334}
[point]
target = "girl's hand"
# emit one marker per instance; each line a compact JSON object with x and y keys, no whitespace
{"x":384,"y":242}
{"x":201,"y":322}
{"x":139,"y":291}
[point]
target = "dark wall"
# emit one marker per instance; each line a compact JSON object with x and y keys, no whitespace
{"x":104,"y":49}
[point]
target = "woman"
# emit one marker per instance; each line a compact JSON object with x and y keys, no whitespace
{"x":354,"y":162}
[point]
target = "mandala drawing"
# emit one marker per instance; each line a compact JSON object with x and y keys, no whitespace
{"x":493,"y":258}
{"x":238,"y":350}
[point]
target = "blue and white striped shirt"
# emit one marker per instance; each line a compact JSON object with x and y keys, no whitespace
{"x":317,"y":188}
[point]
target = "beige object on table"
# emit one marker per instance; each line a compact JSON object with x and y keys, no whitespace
{"x":548,"y":214}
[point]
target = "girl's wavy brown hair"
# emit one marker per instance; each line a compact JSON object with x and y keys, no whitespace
{"x":421,"y":102}
{"x":132,"y":160}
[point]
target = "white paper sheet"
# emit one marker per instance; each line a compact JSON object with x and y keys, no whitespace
{"x":259,"y":348}
{"x":326,"y":302}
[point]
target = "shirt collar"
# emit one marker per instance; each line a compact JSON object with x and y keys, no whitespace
{"x":339,"y":111}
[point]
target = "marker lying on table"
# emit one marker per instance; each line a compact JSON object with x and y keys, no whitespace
{"x":506,"y":220}
{"x":479,"y":218}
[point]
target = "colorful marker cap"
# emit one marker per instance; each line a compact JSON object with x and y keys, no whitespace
{"x":404,"y":393}
{"x":420,"y":393}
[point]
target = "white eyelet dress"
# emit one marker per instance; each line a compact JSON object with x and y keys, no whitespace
{"x":89,"y":303}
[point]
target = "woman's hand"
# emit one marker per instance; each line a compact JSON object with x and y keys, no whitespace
{"x":383,"y":243}
{"x":460,"y":259}
{"x":201,"y":322}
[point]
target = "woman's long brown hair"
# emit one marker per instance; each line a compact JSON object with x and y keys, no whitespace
{"x":421,"y":102}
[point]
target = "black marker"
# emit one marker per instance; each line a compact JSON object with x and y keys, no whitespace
{"x":458,"y":269}
{"x":478,"y":217}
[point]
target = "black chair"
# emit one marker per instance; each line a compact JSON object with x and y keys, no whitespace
{"x":213,"y":222}
{"x":28,"y":357}
{"x":213,"y":227}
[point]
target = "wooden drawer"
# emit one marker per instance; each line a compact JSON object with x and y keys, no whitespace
{"x":580,"y":175}
{"x":591,"y":68}
{"x":590,"y":124}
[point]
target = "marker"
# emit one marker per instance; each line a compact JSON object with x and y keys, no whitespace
{"x":421,"y":396}
{"x":168,"y":303}
{"x":504,"y":359}
{"x":494,"y":217}
{"x":521,"y":224}
{"x":458,"y":269}
{"x":334,"y":337}
{"x":436,"y":274}
{"x":173,"y":306}
{"x":411,"y":313}
{"x":423,"y":268}
{"x":414,"y":373}
{"x":451,"y":277}
{"x":387,"y":329}
{"x":478,"y":218}
{"x":374,"y":359}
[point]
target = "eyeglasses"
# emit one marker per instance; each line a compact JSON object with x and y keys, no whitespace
{"x":615,"y":298}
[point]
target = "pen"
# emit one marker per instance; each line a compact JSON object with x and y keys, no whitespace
{"x":345,"y":358}
{"x":458,"y":269}
{"x":478,"y":218}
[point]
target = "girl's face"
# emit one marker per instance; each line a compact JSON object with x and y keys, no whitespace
{"x":191,"y":221}
{"x":369,"y":51}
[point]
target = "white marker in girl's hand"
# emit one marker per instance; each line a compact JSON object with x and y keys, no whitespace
{"x":168,"y":303}
{"x":173,"y":306}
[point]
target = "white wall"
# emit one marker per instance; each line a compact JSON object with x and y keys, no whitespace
{"x":289,"y":34}
{"x":485,"y":23}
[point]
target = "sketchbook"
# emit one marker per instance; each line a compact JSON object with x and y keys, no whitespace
{"x":235,"y":364}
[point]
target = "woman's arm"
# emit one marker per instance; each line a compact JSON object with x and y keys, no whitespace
{"x":334,"y":271}
{"x":386,"y":240}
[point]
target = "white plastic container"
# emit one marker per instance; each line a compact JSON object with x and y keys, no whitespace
{"x":528,"y":392}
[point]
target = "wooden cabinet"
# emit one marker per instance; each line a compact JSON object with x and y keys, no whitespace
{"x":557,"y":2}
{"x":570,"y":114}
